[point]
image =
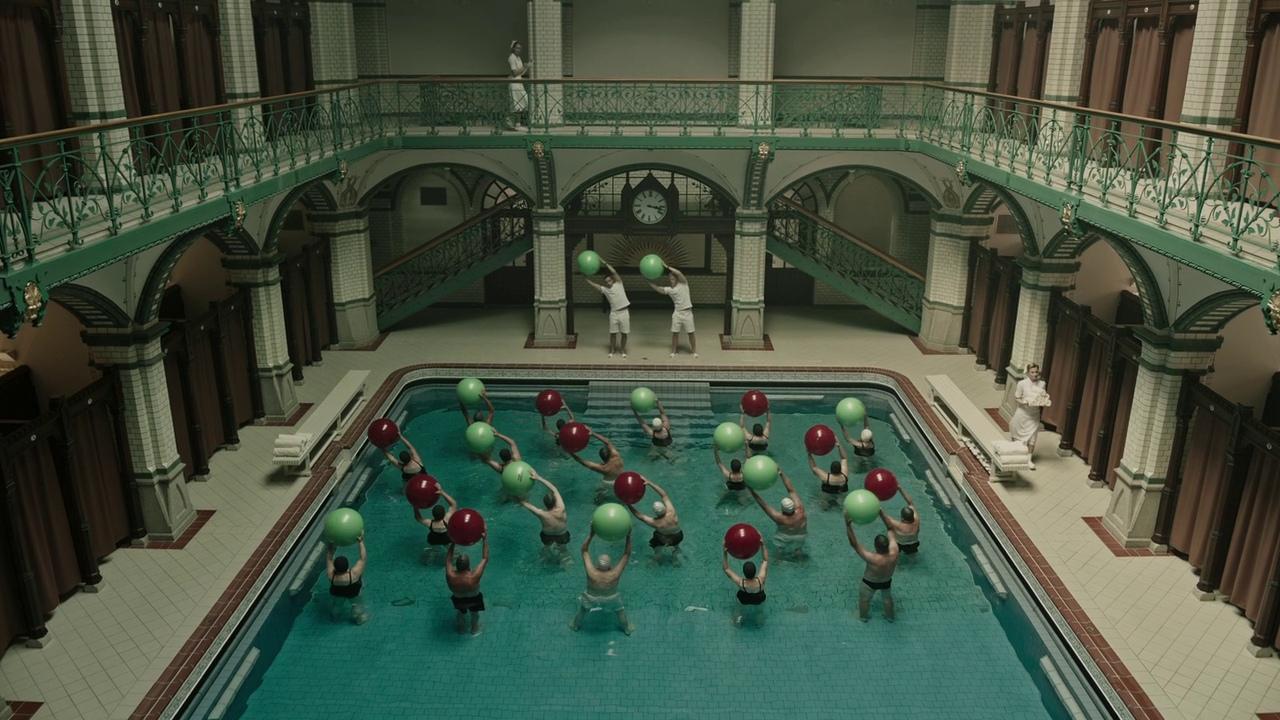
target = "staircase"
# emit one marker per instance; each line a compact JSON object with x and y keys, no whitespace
{"x":846,"y":263}
{"x":688,"y":404}
{"x":452,"y":261}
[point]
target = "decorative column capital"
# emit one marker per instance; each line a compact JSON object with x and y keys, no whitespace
{"x":253,"y":271}
{"x":1174,"y":353}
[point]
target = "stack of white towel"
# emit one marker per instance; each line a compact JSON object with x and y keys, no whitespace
{"x":1011,"y":452}
{"x":291,"y":447}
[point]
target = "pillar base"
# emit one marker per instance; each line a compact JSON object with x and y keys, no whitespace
{"x":1259,"y":652}
{"x":550,"y":323}
{"x":735,"y":342}
{"x":357,"y":322}
{"x":1131,"y":514}
{"x":747,"y":323}
{"x":43,"y":641}
{"x":166,"y":506}
{"x":568,"y":342}
{"x":279,"y":399}
{"x":940,"y":326}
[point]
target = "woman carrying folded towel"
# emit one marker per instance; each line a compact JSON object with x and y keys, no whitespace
{"x":1031,"y":396}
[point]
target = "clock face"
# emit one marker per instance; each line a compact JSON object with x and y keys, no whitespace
{"x":649,"y":206}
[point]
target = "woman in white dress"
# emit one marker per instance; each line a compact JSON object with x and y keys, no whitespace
{"x":519,"y":98}
{"x":1031,"y":396}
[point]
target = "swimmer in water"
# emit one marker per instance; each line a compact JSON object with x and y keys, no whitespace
{"x":865,"y":445}
{"x":658,"y":429}
{"x":908,"y":528}
{"x":438,"y":526}
{"x":464,"y":583}
{"x":555,"y":525}
{"x":793,"y":524}
{"x":835,"y":481}
{"x":409,"y":461}
{"x":733,"y":482}
{"x":665,"y":522}
{"x":560,"y":422}
{"x":478,"y":416}
{"x":602,"y":585}
{"x":757,"y":434}
{"x":878,"y":576}
{"x":345,"y":584}
{"x":750,"y":587}
{"x":506,"y":456}
{"x":609,"y":467}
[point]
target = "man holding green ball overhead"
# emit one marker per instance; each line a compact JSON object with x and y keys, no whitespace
{"x":619,"y":312}
{"x":677,"y":288}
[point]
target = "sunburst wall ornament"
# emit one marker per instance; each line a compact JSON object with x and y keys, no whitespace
{"x":633,"y":247}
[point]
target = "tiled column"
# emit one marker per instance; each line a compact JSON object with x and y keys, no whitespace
{"x":929,"y":52}
{"x":746,"y":320}
{"x":1135,"y":499}
{"x":1031,"y":333}
{"x":333,"y":44}
{"x":261,"y":275}
{"x":1213,"y":79}
{"x":1066,"y":51}
{"x":755,"y":62}
{"x":910,"y":239}
{"x":549,"y":295}
{"x":546,"y":53}
{"x":239,"y":55}
{"x":148,"y":422}
{"x":373,"y":57}
{"x":946,"y":282}
{"x":351,"y":274}
{"x":93,"y":76}
{"x":969,"y":45}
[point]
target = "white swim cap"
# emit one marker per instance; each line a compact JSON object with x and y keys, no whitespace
{"x":866,"y":434}
{"x":659,"y":509}
{"x":788,"y":505}
{"x":604,"y":563}
{"x":656,"y":423}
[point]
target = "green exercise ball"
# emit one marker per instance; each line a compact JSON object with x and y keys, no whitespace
{"x":517,"y":478}
{"x":643,"y":400}
{"x":861,"y":506}
{"x":611,"y":522}
{"x":589,"y":262}
{"x":480,"y":437}
{"x":343,"y":526}
{"x":652,"y":267}
{"x":760,"y":472}
{"x":729,"y":437}
{"x":470,"y":390}
{"x":850,"y":411}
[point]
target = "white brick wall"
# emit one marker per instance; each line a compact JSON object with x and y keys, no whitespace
{"x":969,"y":45}
{"x":1066,"y":51}
{"x":749,"y":256}
{"x":270,"y":342}
{"x":947,"y":271}
{"x":929,"y":53}
{"x":93,"y":67}
{"x":755,"y":59}
{"x":239,"y":56}
{"x":1153,"y":415}
{"x":1217,"y":63}
{"x":369,"y":22}
{"x":148,"y":419}
{"x":333,"y":44}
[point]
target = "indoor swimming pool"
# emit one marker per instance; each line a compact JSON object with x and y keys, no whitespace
{"x":958,"y":648}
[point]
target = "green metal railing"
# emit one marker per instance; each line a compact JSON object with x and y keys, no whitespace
{"x":65,"y":190}
{"x":846,"y":263}
{"x":452,"y":261}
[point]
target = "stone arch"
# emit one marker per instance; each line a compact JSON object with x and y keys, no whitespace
{"x":230,"y":242}
{"x":581,"y":184}
{"x":986,"y":198}
{"x":1068,"y":247}
{"x":468,"y":194}
{"x":90,"y":307}
{"x":376,"y":172}
{"x":834,"y":191}
{"x":316,"y":196}
{"x":1212,"y":313}
{"x":932,"y":179}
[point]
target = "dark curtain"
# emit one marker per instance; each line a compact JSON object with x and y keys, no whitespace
{"x":1255,"y":542}
{"x":297,"y":318}
{"x":1179,"y":68}
{"x":200,"y":61}
{"x":1092,"y":412}
{"x":1006,"y":60}
{"x":31,"y":98}
{"x":126,"y":30}
{"x":978,"y":283}
{"x":236,"y":354}
{"x":1141,"y":90}
{"x":98,"y":471}
{"x":1102,"y":82}
{"x":1030,"y":76}
{"x":1061,"y":367}
{"x":177,"y":405}
{"x":1001,"y":309}
{"x":1120,"y":420}
{"x":44,"y":515}
{"x":204,"y":382}
{"x":12,"y":623}
{"x":321,"y":295}
{"x":298,"y":57}
{"x":271,"y":79}
{"x":1264,"y":108}
{"x":1202,"y":484}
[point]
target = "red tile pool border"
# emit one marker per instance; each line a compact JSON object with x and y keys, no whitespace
{"x":724,"y":345}
{"x":166,"y":687}
{"x":202,"y":517}
{"x":24,"y":710}
{"x":293,"y":419}
{"x":915,"y":340}
{"x":998,"y":419}
{"x":1095,"y":524}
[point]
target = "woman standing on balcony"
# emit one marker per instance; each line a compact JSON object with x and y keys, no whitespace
{"x":519,"y":98}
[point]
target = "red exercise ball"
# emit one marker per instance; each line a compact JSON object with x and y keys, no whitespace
{"x":742,"y":541}
{"x":466,"y":526}
{"x":629,"y":487}
{"x":549,"y":402}
{"x":422,"y":490}
{"x":574,"y":436}
{"x":882,"y":484}
{"x":383,"y":432}
{"x":820,"y":440}
{"x":755,"y":403}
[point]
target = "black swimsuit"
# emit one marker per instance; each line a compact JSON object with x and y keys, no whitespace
{"x":735,"y":485}
{"x":475,"y":603}
{"x":662,"y":442}
{"x":758,"y":445}
{"x":745,"y":597}
{"x":835,"y":489}
{"x":878,"y":584}
{"x":437,"y":537}
{"x":561,"y":539}
{"x":346,"y":591}
{"x":860,"y":451}
{"x":666,"y":540}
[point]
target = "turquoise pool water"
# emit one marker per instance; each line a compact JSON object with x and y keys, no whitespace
{"x":953,"y":652}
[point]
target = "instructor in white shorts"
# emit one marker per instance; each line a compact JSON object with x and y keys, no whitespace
{"x":619,"y":312}
{"x":682,"y":314}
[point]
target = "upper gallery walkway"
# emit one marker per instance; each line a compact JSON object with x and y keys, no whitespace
{"x":75,"y":200}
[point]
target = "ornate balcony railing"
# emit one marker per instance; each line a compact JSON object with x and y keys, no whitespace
{"x":845,"y":262}
{"x":445,"y":263}
{"x":71,"y":189}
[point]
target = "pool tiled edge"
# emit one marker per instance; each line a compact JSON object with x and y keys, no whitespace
{"x":163,"y":699}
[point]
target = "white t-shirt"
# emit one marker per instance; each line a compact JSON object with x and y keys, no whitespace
{"x":517,"y":65}
{"x":617,"y":295}
{"x":679,"y":296}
